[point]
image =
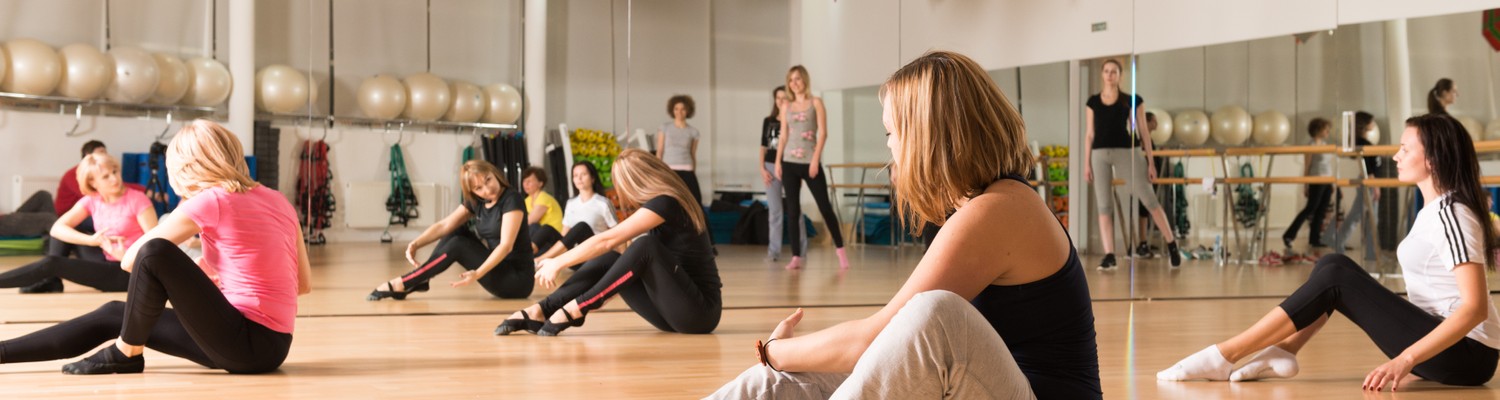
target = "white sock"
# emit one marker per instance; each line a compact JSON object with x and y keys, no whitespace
{"x":1207,"y":364}
{"x":1273,"y":362}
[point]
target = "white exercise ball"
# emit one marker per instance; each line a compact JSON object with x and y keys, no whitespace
{"x":382,"y":97}
{"x":4,"y":63}
{"x":1163,"y":131}
{"x":34,"y":68}
{"x":175,"y":79}
{"x":1492,"y":132}
{"x":86,"y":72}
{"x":136,"y":75}
{"x":468,"y":102}
{"x":283,"y":89}
{"x":504,"y":104}
{"x":1476,"y":130}
{"x":1231,"y":125}
{"x":427,"y":96}
{"x":1191,"y":128}
{"x":210,"y":84}
{"x":1271,"y":128}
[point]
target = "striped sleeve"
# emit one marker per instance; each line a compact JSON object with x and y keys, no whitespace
{"x":1461,"y":240}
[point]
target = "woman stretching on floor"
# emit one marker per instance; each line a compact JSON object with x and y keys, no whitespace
{"x":587,"y":214}
{"x":668,"y":276}
{"x":490,"y":252}
{"x":121,"y":215}
{"x":234,"y":312}
{"x":974,"y":320}
{"x":1447,"y":332}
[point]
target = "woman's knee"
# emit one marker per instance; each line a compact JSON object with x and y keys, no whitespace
{"x":934,"y":302}
{"x":114,"y":307}
{"x":154,"y":250}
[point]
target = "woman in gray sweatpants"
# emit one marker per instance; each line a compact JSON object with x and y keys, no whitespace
{"x":1110,"y":151}
{"x":770,"y":131}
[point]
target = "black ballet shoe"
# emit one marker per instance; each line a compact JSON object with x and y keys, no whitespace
{"x":49,"y":285}
{"x":107,"y":361}
{"x":377,"y":295}
{"x":552,"y":329}
{"x":524,"y":324}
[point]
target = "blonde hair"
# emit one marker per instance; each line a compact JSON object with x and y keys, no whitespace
{"x":92,"y":164}
{"x":806,"y":81}
{"x":204,"y":154}
{"x":958,"y":134}
{"x":640,"y":176}
{"x":472,"y":174}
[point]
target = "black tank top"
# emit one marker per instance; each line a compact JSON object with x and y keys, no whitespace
{"x":1049,"y":327}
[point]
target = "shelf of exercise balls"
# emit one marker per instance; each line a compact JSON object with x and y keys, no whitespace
{"x":99,"y":107}
{"x":408,"y":124}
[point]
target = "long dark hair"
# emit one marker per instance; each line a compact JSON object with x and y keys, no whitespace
{"x":1455,"y":169}
{"x":593,"y":173}
{"x":1434,"y":96}
{"x":775,"y":109}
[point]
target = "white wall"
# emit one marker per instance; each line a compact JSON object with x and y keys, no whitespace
{"x":1451,"y":47}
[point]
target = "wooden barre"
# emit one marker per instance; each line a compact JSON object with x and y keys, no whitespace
{"x":859,"y":186}
{"x":856,"y":165}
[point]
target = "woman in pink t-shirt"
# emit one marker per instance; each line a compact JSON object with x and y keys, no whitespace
{"x":239,"y":301}
{"x":121,"y":215}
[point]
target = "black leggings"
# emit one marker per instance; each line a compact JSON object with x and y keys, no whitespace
{"x":99,"y":274}
{"x":544,"y":237}
{"x":1339,"y":284}
{"x":1317,"y":206}
{"x":792,"y":175}
{"x":512,"y":279}
{"x":691,"y":179}
{"x":654,"y":286}
{"x":203,"y":327}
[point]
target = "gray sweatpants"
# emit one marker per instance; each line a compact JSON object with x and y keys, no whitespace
{"x":775,"y":214}
{"x":1128,"y":163}
{"x":937,"y":346}
{"x":32,"y":218}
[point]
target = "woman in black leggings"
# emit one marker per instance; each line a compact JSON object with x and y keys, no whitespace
{"x":667,"y":276}
{"x":1446,"y":330}
{"x":490,"y":253}
{"x":238,"y":316}
{"x":804,"y":129}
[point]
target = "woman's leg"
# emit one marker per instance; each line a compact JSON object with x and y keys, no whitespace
{"x":792,"y":175}
{"x":663,"y":294}
{"x":460,"y":246}
{"x":1104,"y":177}
{"x":690,"y":178}
{"x":1319,"y":211}
{"x":543,"y":237}
{"x":103,"y":275}
{"x":762,"y":383}
{"x":774,"y":215}
{"x":512,"y":279}
{"x":819,"y":188}
{"x":577,"y":234}
{"x":227,"y":338}
{"x":939,"y":346}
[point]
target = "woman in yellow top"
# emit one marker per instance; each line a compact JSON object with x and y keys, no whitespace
{"x":543,"y":213}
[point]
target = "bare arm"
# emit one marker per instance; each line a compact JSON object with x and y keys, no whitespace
{"x":304,"y":267}
{"x":176,"y":228}
{"x":64,"y":229}
{"x":822,"y":137}
{"x":147,"y":219}
{"x":1144,"y":130}
{"x":693,"y":151}
{"x":661,"y":144}
{"x":781,"y":144}
{"x":537,"y":212}
{"x":510,"y":225}
{"x":438,"y":230}
{"x":1088,"y":143}
{"x":639,"y":223}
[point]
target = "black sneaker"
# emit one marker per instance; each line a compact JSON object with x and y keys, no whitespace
{"x":1174,"y":254}
{"x":1108,"y":263}
{"x":1143,"y":250}
{"x":108,"y":360}
{"x":49,"y":285}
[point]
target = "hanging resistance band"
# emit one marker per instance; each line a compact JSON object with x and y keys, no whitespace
{"x":315,"y":204}
{"x":402,"y":202}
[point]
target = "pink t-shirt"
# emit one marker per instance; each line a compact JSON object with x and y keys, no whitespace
{"x":250,"y":240}
{"x":119,"y":217}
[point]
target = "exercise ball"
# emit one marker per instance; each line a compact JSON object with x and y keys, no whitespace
{"x":1191,"y":128}
{"x":174,"y":79}
{"x":1231,"y":125}
{"x":34,"y":69}
{"x":86,"y":71}
{"x":504,"y":104}
{"x":468,"y":102}
{"x":1271,"y":128}
{"x":136,"y":75}
{"x":4,"y":63}
{"x":427,"y":96}
{"x":283,"y":89}
{"x":1476,"y":130}
{"x":1492,"y":132}
{"x":210,"y":84}
{"x":382,"y":97}
{"x":1163,"y":131}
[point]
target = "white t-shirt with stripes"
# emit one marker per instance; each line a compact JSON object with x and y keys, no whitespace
{"x":1445,"y":235}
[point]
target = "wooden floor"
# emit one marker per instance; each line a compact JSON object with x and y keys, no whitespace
{"x":439,"y":344}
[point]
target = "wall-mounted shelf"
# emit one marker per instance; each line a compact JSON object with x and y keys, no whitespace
{"x":456,"y":127}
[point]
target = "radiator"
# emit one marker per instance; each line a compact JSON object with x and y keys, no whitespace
{"x":363,"y":204}
{"x":22,"y":187}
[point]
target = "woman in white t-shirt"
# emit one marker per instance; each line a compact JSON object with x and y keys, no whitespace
{"x":1448,"y":332}
{"x":586,"y":214}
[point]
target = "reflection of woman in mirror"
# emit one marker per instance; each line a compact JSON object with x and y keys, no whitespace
{"x":1143,"y":213}
{"x":770,"y":135}
{"x":677,"y":143}
{"x":1441,"y":96}
{"x":1363,"y":123}
{"x":998,"y":307}
{"x":1110,"y":146}
{"x":1446,"y":330}
{"x":1318,"y":194}
{"x":804,"y":128}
